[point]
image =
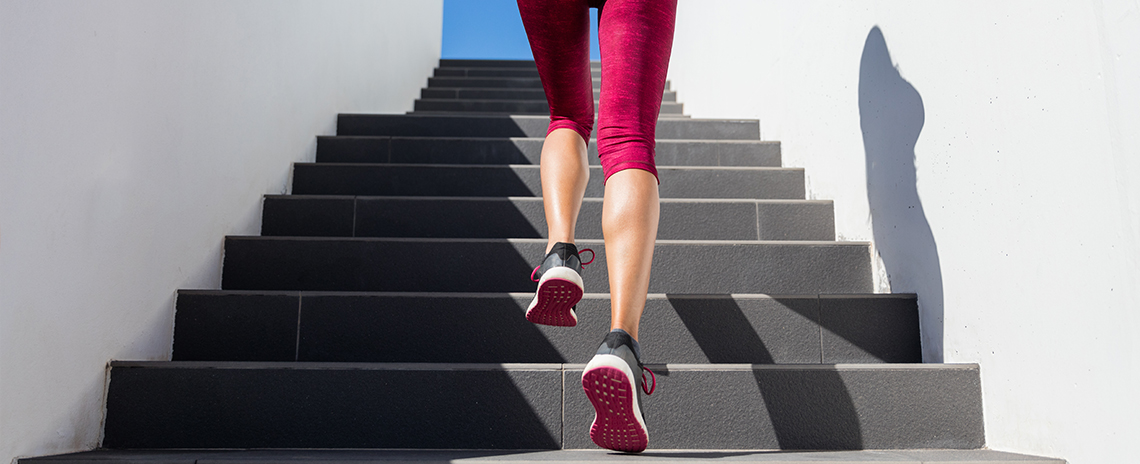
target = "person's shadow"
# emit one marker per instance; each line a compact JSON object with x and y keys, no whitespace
{"x":891,"y":115}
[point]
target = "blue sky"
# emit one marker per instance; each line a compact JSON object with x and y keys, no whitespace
{"x":491,"y":29}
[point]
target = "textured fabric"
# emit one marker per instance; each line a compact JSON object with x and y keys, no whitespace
{"x":635,"y":38}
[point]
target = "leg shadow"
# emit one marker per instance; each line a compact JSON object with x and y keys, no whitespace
{"x":891,"y":116}
{"x":809,"y":408}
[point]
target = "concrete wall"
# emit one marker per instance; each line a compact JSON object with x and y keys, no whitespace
{"x":134,"y":135}
{"x":992,"y":152}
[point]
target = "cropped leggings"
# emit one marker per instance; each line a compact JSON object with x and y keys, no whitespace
{"x":635,"y":38}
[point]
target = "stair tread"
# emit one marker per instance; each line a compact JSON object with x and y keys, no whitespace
{"x":557,"y":456}
{"x":497,"y":180}
{"x":389,"y":327}
{"x":529,"y":406}
{"x":591,"y":242}
{"x":663,"y":368}
{"x":286,"y":197}
{"x":527,"y":150}
{"x":423,"y":264}
{"x":507,"y":125}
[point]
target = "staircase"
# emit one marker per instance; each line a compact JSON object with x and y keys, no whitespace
{"x":379,"y":315}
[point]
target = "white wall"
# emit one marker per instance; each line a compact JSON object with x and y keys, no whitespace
{"x":1002,"y":145}
{"x":134,"y":135}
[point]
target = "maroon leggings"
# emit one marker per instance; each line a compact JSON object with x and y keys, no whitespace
{"x":635,"y":37}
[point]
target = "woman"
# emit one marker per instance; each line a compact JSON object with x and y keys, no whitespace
{"x":635,"y":37}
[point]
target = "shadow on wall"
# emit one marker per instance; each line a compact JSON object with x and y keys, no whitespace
{"x":891,"y":115}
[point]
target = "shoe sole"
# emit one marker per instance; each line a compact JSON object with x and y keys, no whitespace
{"x":618,"y":424}
{"x":558,"y":291}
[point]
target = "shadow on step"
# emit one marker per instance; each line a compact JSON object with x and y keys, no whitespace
{"x":192,"y":405}
{"x":809,"y":409}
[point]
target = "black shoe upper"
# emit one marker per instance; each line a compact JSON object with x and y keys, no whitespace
{"x":562,"y":254}
{"x":621,"y":344}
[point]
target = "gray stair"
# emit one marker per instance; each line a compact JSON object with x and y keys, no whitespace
{"x":553,"y":456}
{"x":509,"y":106}
{"x":218,"y":325}
{"x":466,"y":217}
{"x":526,"y":150}
{"x":507,"y":94}
{"x":504,"y":265}
{"x":483,"y":180}
{"x":536,"y":406}
{"x":451,"y":71}
{"x":382,"y":307}
{"x":501,"y":82}
{"x":498,"y":126}
{"x":529,"y":64}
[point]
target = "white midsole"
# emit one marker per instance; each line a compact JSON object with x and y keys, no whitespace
{"x":616,"y":362}
{"x":559,"y":272}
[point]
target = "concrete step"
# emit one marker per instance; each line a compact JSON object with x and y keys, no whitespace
{"x":536,"y":406}
{"x":552,"y":456}
{"x":452,"y":63}
{"x":523,"y":217}
{"x":501,"y":82}
{"x":412,"y":125}
{"x":508,"y":94}
{"x":504,"y":265}
{"x":527,"y":150}
{"x":484,"y":180}
{"x":481,"y":71}
{"x":510,"y":106}
{"x":660,"y":116}
{"x":215,"y":325}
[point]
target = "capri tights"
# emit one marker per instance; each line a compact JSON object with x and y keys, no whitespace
{"x":635,"y":38}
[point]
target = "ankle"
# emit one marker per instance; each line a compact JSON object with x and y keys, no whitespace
{"x":631,"y":331}
{"x":552,"y":242}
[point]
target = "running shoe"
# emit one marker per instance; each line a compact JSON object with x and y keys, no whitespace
{"x":560,"y":287}
{"x":614,"y":380}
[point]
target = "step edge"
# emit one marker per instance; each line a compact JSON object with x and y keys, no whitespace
{"x":523,"y":116}
{"x":594,"y":242}
{"x":539,"y":139}
{"x":528,"y":295}
{"x":301,"y":197}
{"x":309,"y":164}
{"x":595,"y":456}
{"x":565,"y":367}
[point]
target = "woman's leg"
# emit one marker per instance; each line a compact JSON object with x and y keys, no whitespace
{"x":559,"y":31}
{"x":636,"y":38}
{"x":630,"y":213}
{"x":564,"y":174}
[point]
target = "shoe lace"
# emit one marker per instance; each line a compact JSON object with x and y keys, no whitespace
{"x":649,"y":390}
{"x":592,"y":256}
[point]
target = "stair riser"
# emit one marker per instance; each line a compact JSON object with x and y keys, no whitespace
{"x":333,"y":149}
{"x":813,"y":409}
{"x":489,"y":82}
{"x":509,"y":106}
{"x":507,"y":94}
{"x":333,"y":408}
{"x":320,"y":216}
{"x":524,"y":181}
{"x":524,"y":64}
{"x":363,"y":406}
{"x":377,"y":456}
{"x":498,"y":83}
{"x":527,"y":126}
{"x":225,"y":326}
{"x":266,"y":263}
{"x":496,"y":72}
